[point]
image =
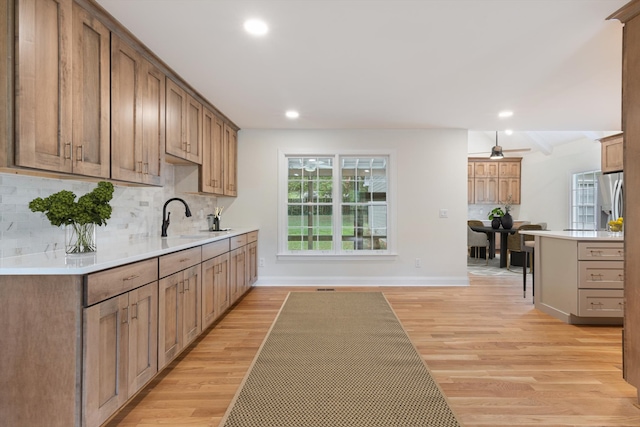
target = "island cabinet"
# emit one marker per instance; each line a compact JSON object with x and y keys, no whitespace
{"x":184,"y":116}
{"x":62,"y":89}
{"x":120,"y":337}
{"x":179,"y":302}
{"x":137,"y":125}
{"x":579,"y":280}
{"x":215,"y":280}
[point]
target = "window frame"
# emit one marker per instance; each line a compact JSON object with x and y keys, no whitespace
{"x":337,"y":253}
{"x":577,"y":196}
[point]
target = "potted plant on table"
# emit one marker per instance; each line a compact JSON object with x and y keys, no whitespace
{"x":79,"y":218}
{"x":495,"y":216}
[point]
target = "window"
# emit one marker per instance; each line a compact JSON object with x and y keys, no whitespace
{"x":335,"y":205}
{"x":584,"y":209}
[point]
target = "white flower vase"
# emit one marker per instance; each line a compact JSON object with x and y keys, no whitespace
{"x":80,"y":239}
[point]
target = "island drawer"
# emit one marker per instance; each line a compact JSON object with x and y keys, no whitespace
{"x":600,"y":303}
{"x":252,"y":237}
{"x":106,"y":284}
{"x":601,"y":274}
{"x":212,"y":250}
{"x":238,"y":241}
{"x":177,"y":261}
{"x":600,"y":251}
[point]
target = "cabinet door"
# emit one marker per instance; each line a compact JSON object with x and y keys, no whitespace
{"x":486,"y":190}
{"x":106,"y":342}
{"x":237,"y":274}
{"x":43,"y":103}
{"x":509,"y":169}
{"x":231,"y":161}
{"x":211,"y":178}
{"x":192,"y":296}
{"x":612,"y":154}
{"x":126,"y":106}
{"x":471,"y":195}
{"x":222,"y":283}
{"x":176,"y":137}
{"x":153,"y":126}
{"x":252,"y":263}
{"x":91,"y":95}
{"x":486,"y":169}
{"x":193,"y":151}
{"x":170,"y":292}
{"x":143,"y":336}
{"x":509,"y":187}
{"x":209,"y":303}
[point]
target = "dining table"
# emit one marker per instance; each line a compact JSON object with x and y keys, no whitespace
{"x":491,"y":233}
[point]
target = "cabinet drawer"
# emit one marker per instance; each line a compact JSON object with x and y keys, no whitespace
{"x":211,"y":250}
{"x":600,"y":303}
{"x":106,"y":284}
{"x":600,"y":251}
{"x":238,"y":241}
{"x":252,"y":237}
{"x":172,"y":263}
{"x":601,"y":274}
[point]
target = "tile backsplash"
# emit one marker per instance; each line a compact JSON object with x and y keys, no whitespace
{"x":137,"y":212}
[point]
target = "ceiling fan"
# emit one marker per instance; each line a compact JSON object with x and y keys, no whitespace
{"x":498,"y":153}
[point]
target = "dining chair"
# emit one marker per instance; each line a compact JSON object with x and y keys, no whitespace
{"x":477,"y":239}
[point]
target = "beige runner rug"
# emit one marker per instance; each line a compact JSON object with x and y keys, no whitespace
{"x":338,"y":359}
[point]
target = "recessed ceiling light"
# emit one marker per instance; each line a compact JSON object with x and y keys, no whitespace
{"x":256,"y":27}
{"x":508,"y":132}
{"x":292,"y":114}
{"x":503,"y":114}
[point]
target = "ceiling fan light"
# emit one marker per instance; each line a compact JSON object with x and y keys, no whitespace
{"x":496,"y":153}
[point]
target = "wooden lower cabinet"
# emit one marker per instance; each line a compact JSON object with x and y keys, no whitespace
{"x":120,"y":336}
{"x":178,"y":312}
{"x":215,"y":288}
{"x":237,"y":273}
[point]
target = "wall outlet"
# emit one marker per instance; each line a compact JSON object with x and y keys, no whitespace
{"x":418,"y":263}
{"x":261,"y":262}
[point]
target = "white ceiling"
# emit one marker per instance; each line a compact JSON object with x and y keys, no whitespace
{"x":396,"y":63}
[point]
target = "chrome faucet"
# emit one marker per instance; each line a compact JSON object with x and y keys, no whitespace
{"x":165,"y":215}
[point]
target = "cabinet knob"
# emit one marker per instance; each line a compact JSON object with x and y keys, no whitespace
{"x":67,"y":156}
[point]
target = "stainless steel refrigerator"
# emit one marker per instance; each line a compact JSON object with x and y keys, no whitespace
{"x":611,"y":198}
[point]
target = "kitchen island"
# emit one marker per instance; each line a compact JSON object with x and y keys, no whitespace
{"x":83,"y":335}
{"x":579,"y":275}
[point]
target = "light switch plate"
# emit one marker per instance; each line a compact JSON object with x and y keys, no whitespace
{"x":444,"y":213}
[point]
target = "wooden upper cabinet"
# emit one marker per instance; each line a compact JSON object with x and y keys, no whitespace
{"x":486,"y":169}
{"x":184,"y":117}
{"x":62,"y":101}
{"x":43,"y":85}
{"x":91,"y":95}
{"x":231,"y":161}
{"x":510,"y":169}
{"x":137,"y":117}
{"x":211,"y":176}
{"x":612,"y":153}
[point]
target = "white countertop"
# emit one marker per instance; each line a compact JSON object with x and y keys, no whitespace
{"x":577,"y":235}
{"x":110,"y":254}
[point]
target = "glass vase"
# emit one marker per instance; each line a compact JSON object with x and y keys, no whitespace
{"x":80,"y":239}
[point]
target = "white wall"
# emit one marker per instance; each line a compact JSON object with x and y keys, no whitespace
{"x":546,"y":181}
{"x":431,"y":175}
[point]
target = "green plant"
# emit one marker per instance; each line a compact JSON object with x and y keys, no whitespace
{"x":62,"y":209}
{"x":496,"y":213}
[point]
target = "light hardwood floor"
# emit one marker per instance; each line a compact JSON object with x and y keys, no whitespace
{"x":499,"y":361}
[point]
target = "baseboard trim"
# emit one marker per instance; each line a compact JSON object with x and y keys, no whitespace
{"x":361,"y":281}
